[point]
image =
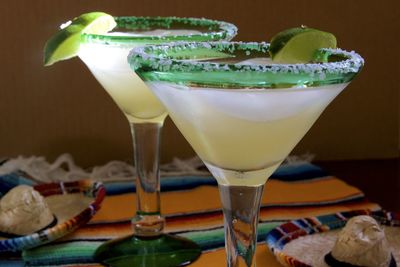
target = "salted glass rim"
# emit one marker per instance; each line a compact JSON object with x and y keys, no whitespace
{"x":156,"y":58}
{"x":224,"y":30}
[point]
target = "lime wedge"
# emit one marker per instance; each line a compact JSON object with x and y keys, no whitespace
{"x":65,"y":43}
{"x":299,"y":45}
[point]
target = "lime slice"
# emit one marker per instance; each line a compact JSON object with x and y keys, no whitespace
{"x":65,"y":43}
{"x":299,"y":45}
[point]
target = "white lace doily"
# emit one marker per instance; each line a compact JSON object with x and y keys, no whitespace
{"x":64,"y":169}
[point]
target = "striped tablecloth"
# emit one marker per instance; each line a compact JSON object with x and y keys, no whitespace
{"x":192,"y":209}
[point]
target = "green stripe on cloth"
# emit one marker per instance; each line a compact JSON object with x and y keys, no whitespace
{"x":65,"y":253}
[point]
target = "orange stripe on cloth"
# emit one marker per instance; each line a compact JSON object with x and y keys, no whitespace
{"x":119,"y":209}
{"x":217,"y":258}
{"x":206,"y":198}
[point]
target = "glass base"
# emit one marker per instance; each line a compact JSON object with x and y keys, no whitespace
{"x":160,"y":251}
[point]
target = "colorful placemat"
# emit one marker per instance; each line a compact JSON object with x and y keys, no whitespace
{"x":192,"y":208}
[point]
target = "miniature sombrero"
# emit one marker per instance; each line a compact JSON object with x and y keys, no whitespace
{"x":62,"y":208}
{"x":356,"y":238}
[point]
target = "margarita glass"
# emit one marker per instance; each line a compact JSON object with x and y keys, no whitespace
{"x":106,"y":57}
{"x":242,"y":114}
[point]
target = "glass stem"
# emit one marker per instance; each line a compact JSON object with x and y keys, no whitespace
{"x":241,"y":205}
{"x":146,"y":142}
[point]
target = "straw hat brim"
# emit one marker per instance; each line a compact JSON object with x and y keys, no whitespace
{"x":305,"y":242}
{"x":73,"y":204}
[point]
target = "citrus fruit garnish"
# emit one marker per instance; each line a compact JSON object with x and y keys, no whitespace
{"x":65,"y":43}
{"x":299,"y":45}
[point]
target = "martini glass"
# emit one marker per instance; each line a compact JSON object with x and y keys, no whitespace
{"x":106,"y":57}
{"x":242,"y":114}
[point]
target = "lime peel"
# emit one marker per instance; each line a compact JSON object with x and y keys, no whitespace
{"x":300,"y":45}
{"x":65,"y":43}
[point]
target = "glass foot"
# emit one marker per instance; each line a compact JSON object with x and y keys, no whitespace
{"x":160,"y":251}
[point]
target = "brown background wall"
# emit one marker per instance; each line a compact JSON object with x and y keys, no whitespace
{"x":49,"y":111}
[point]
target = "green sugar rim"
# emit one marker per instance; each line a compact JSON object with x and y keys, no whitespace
{"x":169,"y":63}
{"x":218,"y":30}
